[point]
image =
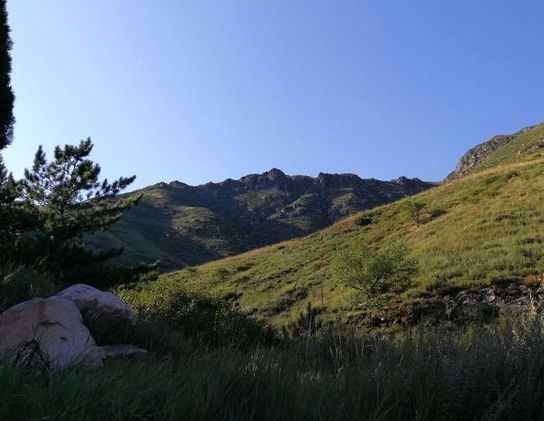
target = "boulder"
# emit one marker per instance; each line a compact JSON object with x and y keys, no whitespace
{"x":101,"y":303}
{"x":50,"y":330}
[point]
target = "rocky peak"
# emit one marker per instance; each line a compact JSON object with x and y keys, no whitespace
{"x":177,"y":184}
{"x":273,"y":179}
{"x":275,"y":174}
{"x":405,"y":181}
{"x":338,"y":180}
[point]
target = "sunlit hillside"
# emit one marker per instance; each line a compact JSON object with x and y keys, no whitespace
{"x":485,"y":228}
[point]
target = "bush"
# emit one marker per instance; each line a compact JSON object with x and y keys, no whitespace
{"x":307,"y":323}
{"x":374,"y":273}
{"x":212,"y":321}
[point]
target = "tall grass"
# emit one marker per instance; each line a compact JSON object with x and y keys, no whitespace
{"x":481,"y":373}
{"x":19,"y":283}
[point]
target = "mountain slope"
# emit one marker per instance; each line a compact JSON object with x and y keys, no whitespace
{"x":501,"y":149}
{"x":483,"y":229}
{"x":180,"y":224}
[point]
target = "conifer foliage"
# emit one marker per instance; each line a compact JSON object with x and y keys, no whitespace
{"x":68,"y":193}
{"x":69,"y":201}
{"x":6,"y":94}
{"x":8,"y":186}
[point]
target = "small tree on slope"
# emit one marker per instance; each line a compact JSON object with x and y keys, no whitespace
{"x":374,"y":272}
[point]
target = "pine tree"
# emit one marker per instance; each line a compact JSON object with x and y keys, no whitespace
{"x":6,"y":94}
{"x":10,"y":218}
{"x":9,"y":191}
{"x":70,"y":203}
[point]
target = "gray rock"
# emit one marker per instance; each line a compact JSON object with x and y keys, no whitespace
{"x":488,"y":295}
{"x":55,"y":326}
{"x":102,"y":303}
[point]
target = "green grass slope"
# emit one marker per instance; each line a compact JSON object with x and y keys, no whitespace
{"x":484,"y":228}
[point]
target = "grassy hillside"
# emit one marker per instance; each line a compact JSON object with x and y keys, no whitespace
{"x":180,"y":224}
{"x":486,"y":228}
{"x":502,"y":149}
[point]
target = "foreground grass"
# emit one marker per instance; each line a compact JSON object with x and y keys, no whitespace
{"x":485,"y":373}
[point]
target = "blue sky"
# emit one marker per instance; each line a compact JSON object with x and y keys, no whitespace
{"x":205,"y":90}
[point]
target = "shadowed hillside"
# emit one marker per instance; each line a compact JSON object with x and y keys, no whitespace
{"x":181,"y":224}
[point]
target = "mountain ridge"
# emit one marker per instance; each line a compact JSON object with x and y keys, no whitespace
{"x":181,"y":224}
{"x":277,"y":174}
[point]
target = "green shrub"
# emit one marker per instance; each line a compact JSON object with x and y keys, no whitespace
{"x":210,"y":320}
{"x":373,"y":273}
{"x":364,"y":220}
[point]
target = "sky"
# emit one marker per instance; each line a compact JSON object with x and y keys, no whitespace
{"x":200,"y":91}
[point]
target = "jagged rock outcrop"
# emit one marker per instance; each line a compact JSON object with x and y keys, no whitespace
{"x":475,"y":156}
{"x":509,"y":299}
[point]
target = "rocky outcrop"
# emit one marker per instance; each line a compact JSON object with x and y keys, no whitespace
{"x":459,"y":307}
{"x":55,"y":326}
{"x":476,"y":155}
{"x":101,"y":303}
{"x":51,"y":333}
{"x":502,"y":300}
